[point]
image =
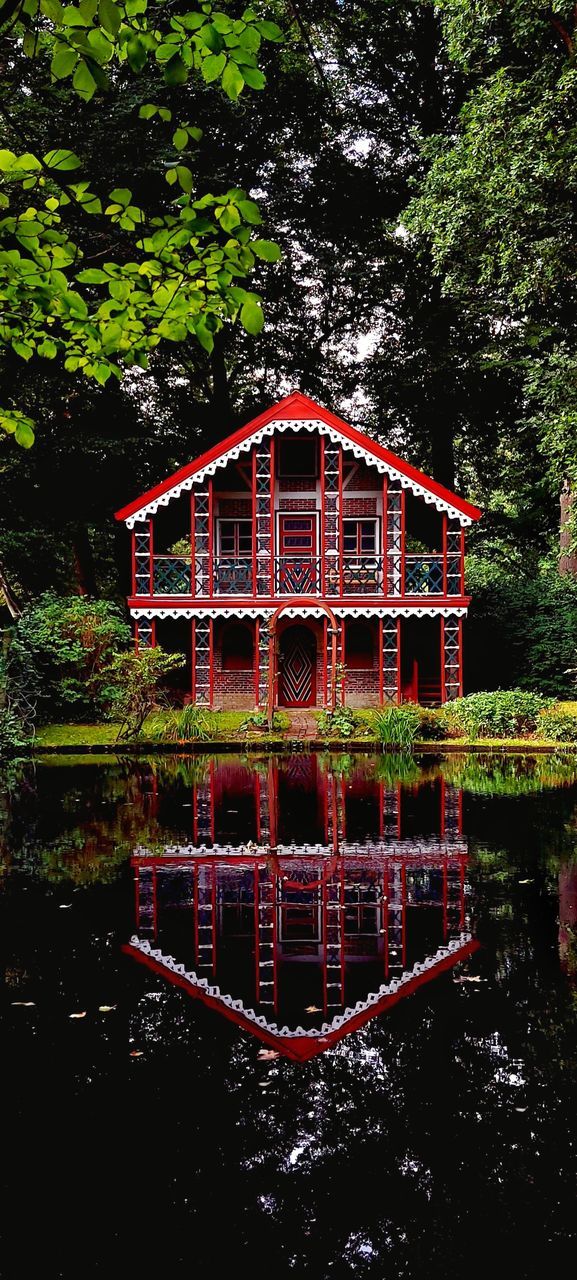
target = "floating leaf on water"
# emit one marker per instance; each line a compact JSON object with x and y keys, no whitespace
{"x":78,"y":1015}
{"x":266,"y":1055}
{"x":106,"y":1008}
{"x":65,"y":906}
{"x":313,"y":1008}
{"x":136,"y":1053}
{"x":532,"y":881}
{"x":24,"y":1004}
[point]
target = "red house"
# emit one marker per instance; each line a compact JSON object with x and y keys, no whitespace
{"x":299,"y":563}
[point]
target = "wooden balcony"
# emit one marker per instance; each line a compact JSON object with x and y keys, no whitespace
{"x":405,"y":575}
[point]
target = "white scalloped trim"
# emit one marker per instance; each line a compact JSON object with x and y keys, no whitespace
{"x":301,"y":424}
{"x":286,"y":1033}
{"x":303,"y":611}
{"x":450,"y":846}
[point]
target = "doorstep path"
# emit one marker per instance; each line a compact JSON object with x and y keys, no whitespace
{"x":302,"y":725}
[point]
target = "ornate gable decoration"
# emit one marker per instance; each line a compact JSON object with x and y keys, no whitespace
{"x":361,"y":447}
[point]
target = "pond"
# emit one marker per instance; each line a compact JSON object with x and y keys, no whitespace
{"x":310,"y":1014}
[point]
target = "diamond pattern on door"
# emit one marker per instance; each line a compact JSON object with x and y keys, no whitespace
{"x":297,"y":670}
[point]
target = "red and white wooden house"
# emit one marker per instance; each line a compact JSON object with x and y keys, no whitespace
{"x":299,"y":563}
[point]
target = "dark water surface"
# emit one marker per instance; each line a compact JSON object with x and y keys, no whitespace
{"x":309,"y":1016}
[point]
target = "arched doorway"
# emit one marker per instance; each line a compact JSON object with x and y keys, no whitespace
{"x":297,"y":663}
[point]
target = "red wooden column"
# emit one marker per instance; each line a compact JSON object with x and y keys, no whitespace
{"x":256,"y":656}
{"x":381,"y":663}
{"x":192,"y":543}
{"x":444,"y":553}
{"x":211,"y":537}
{"x":271,"y":517}
{"x":323,"y":573}
{"x":254,"y":534}
{"x":451,"y":658}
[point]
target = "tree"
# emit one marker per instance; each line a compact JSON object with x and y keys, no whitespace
{"x":176,"y":272}
{"x":498,"y":205}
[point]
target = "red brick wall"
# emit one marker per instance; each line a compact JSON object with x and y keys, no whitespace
{"x":359,"y":506}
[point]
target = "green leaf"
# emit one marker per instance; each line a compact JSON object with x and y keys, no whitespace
{"x":120,"y":195}
{"x":48,"y":349}
{"x":84,"y":82}
{"x":171,"y":177}
{"x":24,"y":435}
{"x":136,"y":53}
{"x":165,"y":114}
{"x":269,"y":30}
{"x":204,"y":335}
{"x":63,"y":62}
{"x":175,"y":71}
{"x":252,"y":317}
{"x":23,"y":349}
{"x":109,"y":16}
{"x":253,"y":77}
{"x":7,"y":159}
{"x":62,"y":160}
{"x":92,"y":275}
{"x":180,"y":139}
{"x":266,"y":249}
{"x":72,"y":17}
{"x":213,"y":66}
{"x":232,"y":81}
{"x":52,"y":9}
{"x":250,"y":212}
{"x":211,"y":38}
{"x":184,"y":177}
{"x":147,"y":111}
{"x":229,"y":218}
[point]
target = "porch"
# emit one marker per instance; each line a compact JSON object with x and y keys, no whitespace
{"x":238,"y":663}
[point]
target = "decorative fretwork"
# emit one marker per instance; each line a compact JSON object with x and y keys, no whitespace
{"x":454,"y":563}
{"x":201,"y":542}
{"x":206,"y":915}
{"x":203,"y":812}
{"x":263,"y":663}
{"x":391,"y":660}
{"x":232,"y":576}
{"x":266,"y":913}
{"x":362,"y":575}
{"x":142,"y":559}
{"x":201,"y":659}
{"x":297,"y":576}
{"x":263,"y":500}
{"x":391,"y":812}
{"x":144,"y":634}
{"x":394,"y":537}
{"x":451,"y":657}
{"x":335,"y":814}
{"x":423,"y":575}
{"x":451,"y":811}
{"x":332,"y":497}
{"x":394,"y":917}
{"x":334,"y":940}
{"x":172,"y":576}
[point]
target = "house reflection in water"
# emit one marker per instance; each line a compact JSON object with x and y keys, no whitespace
{"x":346,"y":895}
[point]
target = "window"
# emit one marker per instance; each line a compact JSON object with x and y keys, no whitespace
{"x":235,"y":538}
{"x":359,"y":646}
{"x":297,"y":456}
{"x":237,"y":647}
{"x":359,"y":537}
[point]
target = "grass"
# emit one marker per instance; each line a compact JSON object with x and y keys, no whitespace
{"x":227,"y":728}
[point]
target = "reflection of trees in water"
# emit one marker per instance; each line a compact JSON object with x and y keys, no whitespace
{"x":509,"y":775}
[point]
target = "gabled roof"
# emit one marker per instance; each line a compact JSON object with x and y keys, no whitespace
{"x":294,"y":410}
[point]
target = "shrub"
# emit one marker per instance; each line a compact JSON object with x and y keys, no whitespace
{"x":557,"y":725}
{"x":134,"y":686}
{"x":432,"y":724}
{"x":59,"y":649}
{"x":506,"y":713}
{"x":257,"y":721}
{"x":13,"y":738}
{"x":338,"y":723}
{"x":191,"y":724}
{"x":398,"y":726}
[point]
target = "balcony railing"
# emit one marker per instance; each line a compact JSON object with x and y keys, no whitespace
{"x":233,"y":576}
{"x":424,"y":575}
{"x":303,"y":575}
{"x":362,"y":575}
{"x":297,"y":575}
{"x":172,"y":576}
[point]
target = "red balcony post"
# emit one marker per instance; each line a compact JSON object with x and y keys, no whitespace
{"x":403,"y":542}
{"x":192,"y":543}
{"x":210,"y":537}
{"x":151,"y":555}
{"x":254,"y":577}
{"x":462,"y":553}
{"x":272,"y":529}
{"x":340,"y":525}
{"x":323,"y":574}
{"x":444,"y":553}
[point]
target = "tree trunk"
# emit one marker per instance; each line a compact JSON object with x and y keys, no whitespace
{"x":221,"y":402}
{"x":567,"y":549}
{"x":11,"y":600}
{"x":83,"y":562}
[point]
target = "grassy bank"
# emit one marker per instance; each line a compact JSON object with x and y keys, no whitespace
{"x":228,"y":731}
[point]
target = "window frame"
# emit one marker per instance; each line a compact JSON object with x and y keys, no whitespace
{"x":359,"y":554}
{"x":235,"y":521}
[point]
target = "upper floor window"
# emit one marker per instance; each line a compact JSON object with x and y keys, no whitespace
{"x":235,"y":537}
{"x":297,"y":457}
{"x":360,"y":537}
